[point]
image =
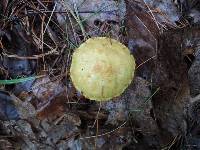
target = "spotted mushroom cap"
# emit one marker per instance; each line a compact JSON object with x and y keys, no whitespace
{"x":102,"y":68}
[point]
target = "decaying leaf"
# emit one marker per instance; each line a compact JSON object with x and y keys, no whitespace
{"x":45,"y":90}
{"x":95,"y":14}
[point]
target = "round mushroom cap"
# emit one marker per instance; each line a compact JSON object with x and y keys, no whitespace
{"x":102,"y":68}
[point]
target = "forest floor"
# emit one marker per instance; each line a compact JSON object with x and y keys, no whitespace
{"x":41,"y":109}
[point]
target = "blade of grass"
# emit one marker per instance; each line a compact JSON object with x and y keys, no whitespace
{"x":141,"y":108}
{"x":20,"y":80}
{"x":76,"y":17}
{"x":154,"y":93}
{"x":80,"y":22}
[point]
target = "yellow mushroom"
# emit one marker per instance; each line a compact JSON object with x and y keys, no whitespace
{"x":102,"y":68}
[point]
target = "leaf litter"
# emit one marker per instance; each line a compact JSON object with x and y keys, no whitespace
{"x":40,"y":108}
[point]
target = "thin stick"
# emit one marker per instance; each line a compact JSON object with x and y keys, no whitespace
{"x":96,"y":118}
{"x":145,"y":27}
{"x":97,"y":132}
{"x":42,"y":36}
{"x":88,"y":137}
{"x":152,"y":16}
{"x":145,"y":61}
{"x":50,"y":18}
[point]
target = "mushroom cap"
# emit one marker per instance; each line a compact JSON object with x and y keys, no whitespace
{"x":102,"y":68}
